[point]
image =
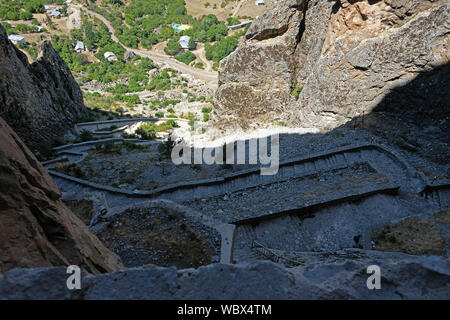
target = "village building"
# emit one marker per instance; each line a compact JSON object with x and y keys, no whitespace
{"x":80,"y":47}
{"x":259,"y":2}
{"x":110,"y":56}
{"x":184,"y":42}
{"x":16,"y":39}
{"x":49,"y":7}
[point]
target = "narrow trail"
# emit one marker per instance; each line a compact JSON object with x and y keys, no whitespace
{"x":157,"y":57}
{"x":382,"y":160}
{"x":201,"y":54}
{"x":235,"y":12}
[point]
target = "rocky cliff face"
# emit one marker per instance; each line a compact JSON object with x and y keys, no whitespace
{"x":321,"y":63}
{"x":37,"y":229}
{"x":39,"y":101}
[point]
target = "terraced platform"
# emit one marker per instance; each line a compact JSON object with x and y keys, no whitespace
{"x":376,"y":157}
{"x":343,"y":188}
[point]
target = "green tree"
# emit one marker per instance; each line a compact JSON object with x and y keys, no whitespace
{"x":172,"y":48}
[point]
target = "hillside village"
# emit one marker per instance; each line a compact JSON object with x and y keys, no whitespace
{"x":80,"y":35}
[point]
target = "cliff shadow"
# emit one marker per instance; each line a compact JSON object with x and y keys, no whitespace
{"x":415,"y":116}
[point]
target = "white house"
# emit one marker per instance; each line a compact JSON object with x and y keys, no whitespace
{"x":16,"y":39}
{"x":184,"y":42}
{"x":80,"y":47}
{"x":259,"y":2}
{"x":54,"y":13}
{"x":240,"y":25}
{"x":110,"y":56}
{"x":49,"y":7}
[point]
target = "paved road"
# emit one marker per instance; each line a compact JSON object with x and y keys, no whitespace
{"x":158,"y":57}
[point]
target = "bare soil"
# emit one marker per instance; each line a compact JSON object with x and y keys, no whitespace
{"x":161,"y":237}
{"x":411,"y":236}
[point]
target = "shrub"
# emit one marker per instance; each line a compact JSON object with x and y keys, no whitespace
{"x":72,"y":169}
{"x":199,"y":65}
{"x":297,"y":90}
{"x":172,"y":48}
{"x":146,"y":131}
{"x":186,"y":57}
{"x":86,"y":136}
{"x":172,"y":123}
{"x":165,"y":149}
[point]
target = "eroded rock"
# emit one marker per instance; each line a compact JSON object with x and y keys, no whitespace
{"x":37,"y":229}
{"x":332,"y":61}
{"x":40,"y":101}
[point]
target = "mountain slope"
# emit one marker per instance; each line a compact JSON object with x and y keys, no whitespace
{"x":321,"y":63}
{"x":40,"y":101}
{"x":37,"y":229}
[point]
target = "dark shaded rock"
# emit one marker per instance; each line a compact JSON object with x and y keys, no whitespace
{"x":324,"y":276}
{"x":40,"y":101}
{"x":37,"y":229}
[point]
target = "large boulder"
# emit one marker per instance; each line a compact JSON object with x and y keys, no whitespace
{"x":40,"y":101}
{"x":37,"y":229}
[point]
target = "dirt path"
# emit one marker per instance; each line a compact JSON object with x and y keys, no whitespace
{"x":158,"y":57}
{"x":201,"y":55}
{"x":74,"y":20}
{"x":235,"y":12}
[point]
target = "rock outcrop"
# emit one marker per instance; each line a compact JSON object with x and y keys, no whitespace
{"x":326,"y":276}
{"x":321,"y":63}
{"x":37,"y":229}
{"x":40,"y":101}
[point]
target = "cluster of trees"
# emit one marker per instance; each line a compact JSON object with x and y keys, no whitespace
{"x":96,"y":35}
{"x":148,"y":130}
{"x":222,"y":48}
{"x":186,"y":57}
{"x":207,"y":29}
{"x":138,"y":77}
{"x":24,"y":9}
{"x":22,"y":28}
{"x":150,"y":22}
{"x":104,"y":71}
{"x":160,"y":81}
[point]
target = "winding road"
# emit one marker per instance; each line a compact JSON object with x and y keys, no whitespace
{"x":157,"y":57}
